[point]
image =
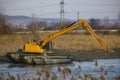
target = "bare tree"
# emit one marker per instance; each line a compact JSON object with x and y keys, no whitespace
{"x":41,"y":25}
{"x":4,"y":28}
{"x":119,"y":16}
{"x":95,"y":23}
{"x":106,"y":22}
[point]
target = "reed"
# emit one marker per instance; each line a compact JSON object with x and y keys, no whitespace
{"x":72,"y":78}
{"x":18,"y":77}
{"x":39,"y":73}
{"x":102,"y":77}
{"x":54,"y":77}
{"x":66,"y":42}
{"x":39,"y":78}
{"x":12,"y":78}
{"x":102,"y":68}
{"x":117,"y":78}
{"x":65,"y":72}
{"x":106,"y":72}
{"x":47,"y":75}
{"x":96,"y":63}
{"x":59,"y":69}
{"x":79,"y":67}
{"x":1,"y":78}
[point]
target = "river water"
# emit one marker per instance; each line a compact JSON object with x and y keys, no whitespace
{"x":107,"y":68}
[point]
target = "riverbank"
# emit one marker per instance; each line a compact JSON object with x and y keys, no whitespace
{"x":87,"y":55}
{"x":83,"y":55}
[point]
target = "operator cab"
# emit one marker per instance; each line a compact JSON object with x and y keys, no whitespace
{"x":48,"y":45}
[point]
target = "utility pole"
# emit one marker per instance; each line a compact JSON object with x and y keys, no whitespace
{"x":78,"y":15}
{"x":62,"y":15}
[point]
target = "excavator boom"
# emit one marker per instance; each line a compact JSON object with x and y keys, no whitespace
{"x":79,"y":23}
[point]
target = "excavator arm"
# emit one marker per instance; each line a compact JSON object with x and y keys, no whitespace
{"x":35,"y":48}
{"x":90,"y":30}
{"x":73,"y":26}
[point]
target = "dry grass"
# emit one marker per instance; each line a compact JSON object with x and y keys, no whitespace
{"x":85,"y":42}
{"x":66,"y":42}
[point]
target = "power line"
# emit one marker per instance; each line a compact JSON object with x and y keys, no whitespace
{"x":88,"y":4}
{"x":30,"y":8}
{"x":87,"y":12}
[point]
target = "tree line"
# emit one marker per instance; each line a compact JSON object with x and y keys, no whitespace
{"x":96,"y":24}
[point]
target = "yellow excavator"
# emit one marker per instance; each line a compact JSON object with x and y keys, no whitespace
{"x":33,"y":53}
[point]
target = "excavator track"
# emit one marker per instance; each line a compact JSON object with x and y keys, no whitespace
{"x":38,"y":59}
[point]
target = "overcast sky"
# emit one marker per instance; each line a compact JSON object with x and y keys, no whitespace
{"x":51,"y":8}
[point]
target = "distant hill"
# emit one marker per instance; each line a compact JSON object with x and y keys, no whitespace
{"x":25,"y":20}
{"x":17,"y":17}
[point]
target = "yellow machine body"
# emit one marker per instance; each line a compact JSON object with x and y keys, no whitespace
{"x":39,"y":48}
{"x":33,"y":47}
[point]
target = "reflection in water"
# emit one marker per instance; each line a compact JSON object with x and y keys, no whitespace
{"x":106,"y":68}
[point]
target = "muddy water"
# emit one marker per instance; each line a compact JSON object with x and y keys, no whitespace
{"x":107,"y":68}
